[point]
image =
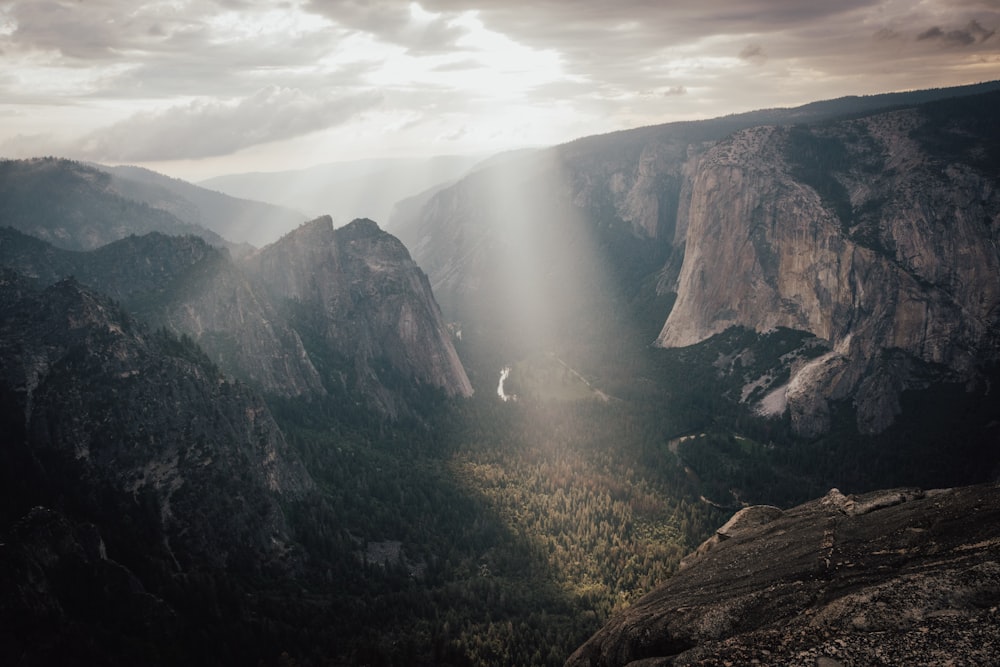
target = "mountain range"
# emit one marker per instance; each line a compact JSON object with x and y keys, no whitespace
{"x":232,"y":435}
{"x":870,"y":224}
{"x":362,"y":307}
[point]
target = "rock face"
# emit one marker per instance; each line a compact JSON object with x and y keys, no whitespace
{"x":350,"y":302}
{"x":136,"y":483}
{"x":355,"y":293}
{"x":892,"y":577}
{"x":877,"y":235}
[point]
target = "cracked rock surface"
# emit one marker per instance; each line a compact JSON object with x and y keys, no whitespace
{"x":898,"y":577}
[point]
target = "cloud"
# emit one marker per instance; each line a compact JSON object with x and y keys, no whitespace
{"x":154,"y":50}
{"x":458,"y":65}
{"x":454,"y":135}
{"x":263,"y":72}
{"x":971,"y":34}
{"x":886,"y":35}
{"x":96,"y":29}
{"x":581,"y":25}
{"x":208,"y":128}
{"x":394,"y":22}
{"x":753,"y":53}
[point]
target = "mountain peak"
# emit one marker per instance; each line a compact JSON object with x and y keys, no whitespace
{"x":367,"y":301}
{"x":360,"y":228}
{"x":319,"y":229}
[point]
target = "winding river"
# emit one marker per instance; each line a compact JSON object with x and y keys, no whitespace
{"x":504,"y":373}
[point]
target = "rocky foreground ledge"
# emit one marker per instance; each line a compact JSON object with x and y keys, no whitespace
{"x":899,"y":577}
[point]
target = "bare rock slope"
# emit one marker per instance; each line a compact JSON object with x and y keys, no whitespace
{"x":355,"y":293}
{"x":872,"y":223}
{"x":878,"y":235}
{"x":898,"y":577}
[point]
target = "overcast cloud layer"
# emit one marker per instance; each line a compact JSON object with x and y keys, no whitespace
{"x":236,"y":85}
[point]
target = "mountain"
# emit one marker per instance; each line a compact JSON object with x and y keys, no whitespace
{"x":868,"y":223}
{"x":78,"y":207}
{"x":891,"y":577}
{"x":85,"y":385}
{"x":237,"y":220}
{"x":188,"y":287}
{"x":345,"y":190}
{"x":226,"y":455}
{"x":319,"y":311}
{"x":133,"y":474}
{"x":877,"y":235}
{"x":363,"y":306}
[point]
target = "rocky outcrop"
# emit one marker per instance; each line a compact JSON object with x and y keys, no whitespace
{"x":747,"y":519}
{"x":208,"y":298}
{"x":361,"y":302}
{"x":892,"y":577}
{"x":866,"y":233}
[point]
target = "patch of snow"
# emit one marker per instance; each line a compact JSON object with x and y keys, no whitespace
{"x":774,"y":403}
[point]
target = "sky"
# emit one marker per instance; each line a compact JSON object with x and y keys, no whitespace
{"x":199,"y":88}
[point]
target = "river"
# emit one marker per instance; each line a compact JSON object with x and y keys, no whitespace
{"x":504,"y":373}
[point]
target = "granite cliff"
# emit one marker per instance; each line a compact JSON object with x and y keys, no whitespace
{"x":886,"y":578}
{"x":870,"y":223}
{"x":363,"y":305}
{"x":877,"y":235}
{"x":189,"y":287}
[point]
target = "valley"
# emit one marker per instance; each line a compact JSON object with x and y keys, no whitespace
{"x":478,"y":439}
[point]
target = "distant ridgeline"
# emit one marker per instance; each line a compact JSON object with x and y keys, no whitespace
{"x":80,"y":207}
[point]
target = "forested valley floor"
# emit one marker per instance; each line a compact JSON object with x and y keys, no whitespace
{"x":504,"y":533}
